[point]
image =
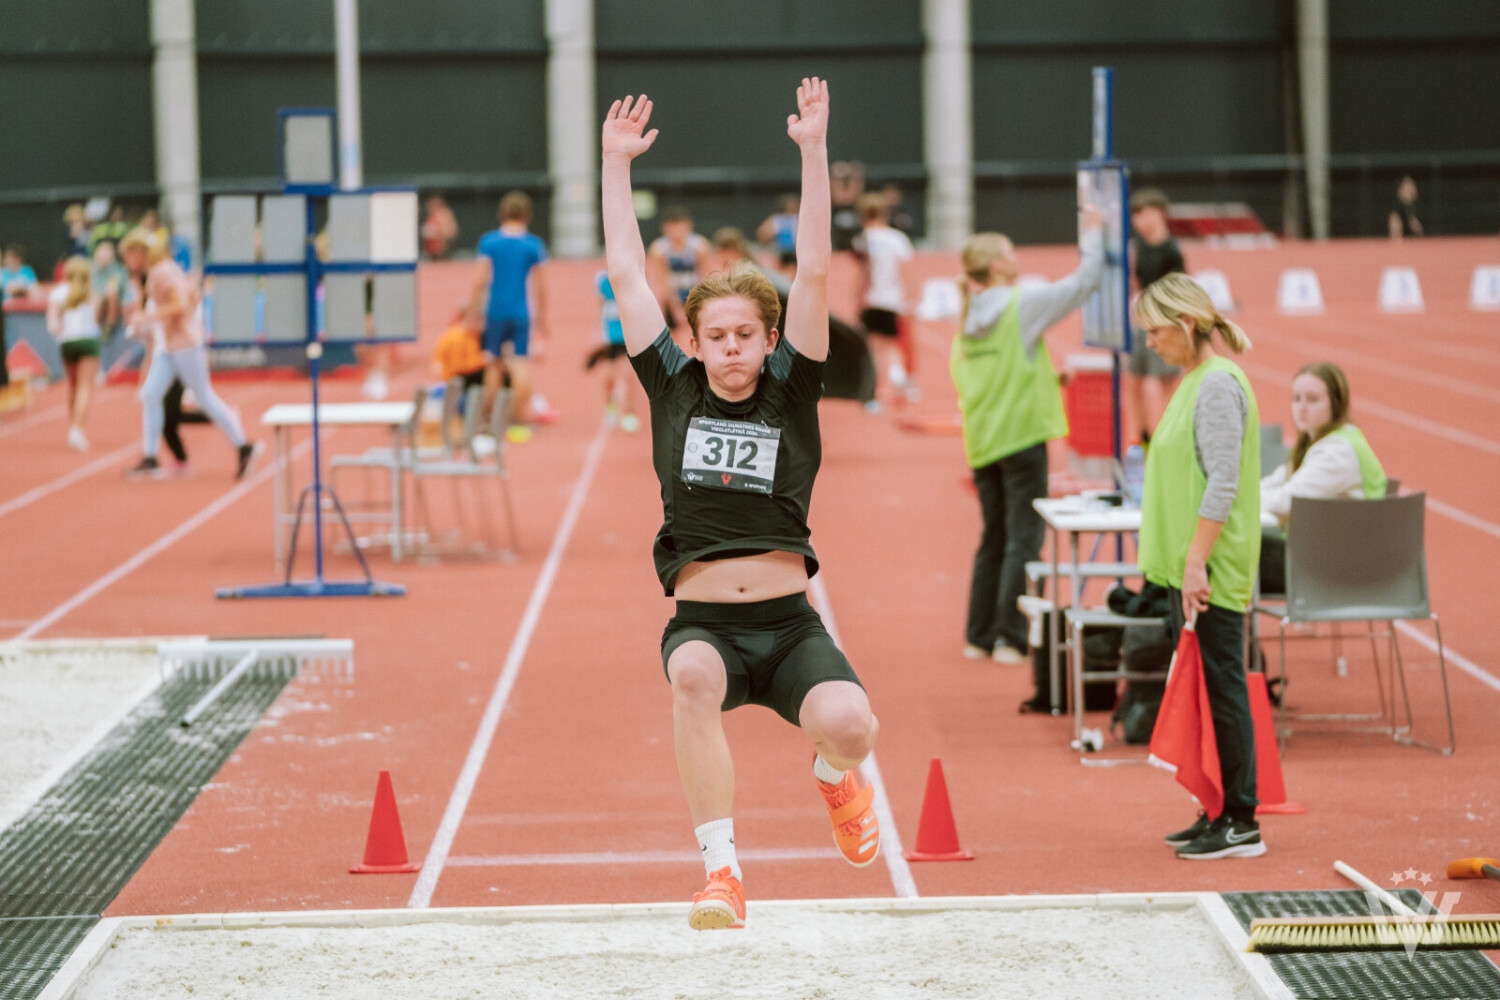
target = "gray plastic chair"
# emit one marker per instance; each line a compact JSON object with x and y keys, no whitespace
{"x":1363,"y":561}
{"x":479,"y":459}
{"x":1272,"y":451}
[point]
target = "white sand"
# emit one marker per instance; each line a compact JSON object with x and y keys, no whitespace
{"x":56,"y":701}
{"x":786,"y":951}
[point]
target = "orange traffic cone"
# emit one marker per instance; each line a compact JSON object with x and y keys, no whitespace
{"x":937,"y":838}
{"x":1270,"y":785}
{"x":385,"y":847}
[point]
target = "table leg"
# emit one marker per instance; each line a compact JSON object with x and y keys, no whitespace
{"x":396,"y":527}
{"x":1075,"y":642}
{"x":278,"y":509}
{"x":1054,"y":680}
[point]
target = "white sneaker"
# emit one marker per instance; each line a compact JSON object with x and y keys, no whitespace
{"x":630,"y":423}
{"x":375,"y":386}
{"x":973,"y":652}
{"x":76,"y":440}
{"x":1005,"y":653}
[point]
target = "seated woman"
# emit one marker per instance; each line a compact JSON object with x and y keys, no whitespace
{"x":1331,"y":459}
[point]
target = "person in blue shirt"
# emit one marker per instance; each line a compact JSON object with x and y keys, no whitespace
{"x":17,"y":279}
{"x":619,"y":406}
{"x":508,"y":259}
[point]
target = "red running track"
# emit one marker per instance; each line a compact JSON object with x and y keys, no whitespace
{"x":580,"y":765}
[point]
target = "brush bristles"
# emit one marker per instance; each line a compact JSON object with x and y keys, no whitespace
{"x":1370,"y":934}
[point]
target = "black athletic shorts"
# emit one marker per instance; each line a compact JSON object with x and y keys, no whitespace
{"x":879,"y":321}
{"x":774,"y":651}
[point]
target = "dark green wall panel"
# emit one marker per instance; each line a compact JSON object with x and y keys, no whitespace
{"x":693,"y":26}
{"x":433,"y":26}
{"x":1038,"y":106}
{"x":73,"y":27}
{"x":716,"y":112}
{"x":70,"y":122}
{"x":1419,"y":99}
{"x":1148,"y":22}
{"x":1408,"y":21}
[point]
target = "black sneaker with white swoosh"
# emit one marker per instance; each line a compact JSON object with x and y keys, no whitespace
{"x":1225,"y":838}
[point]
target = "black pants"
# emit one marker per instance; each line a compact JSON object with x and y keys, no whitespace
{"x":1012,"y":537}
{"x":175,"y":417}
{"x":1272,"y":563}
{"x":1221,"y":637}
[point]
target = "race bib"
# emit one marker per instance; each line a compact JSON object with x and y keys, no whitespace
{"x":730,"y":455}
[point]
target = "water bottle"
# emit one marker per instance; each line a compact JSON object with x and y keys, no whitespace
{"x":1135,"y":474}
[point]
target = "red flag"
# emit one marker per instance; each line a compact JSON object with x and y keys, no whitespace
{"x":1183,"y":740}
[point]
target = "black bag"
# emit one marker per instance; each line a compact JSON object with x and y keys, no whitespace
{"x":1145,"y":648}
{"x":1101,"y":649}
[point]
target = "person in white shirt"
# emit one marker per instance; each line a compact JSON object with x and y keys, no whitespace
{"x":73,"y":310}
{"x":884,"y":250}
{"x":1330,"y":459}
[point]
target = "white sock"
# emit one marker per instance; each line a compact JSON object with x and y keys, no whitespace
{"x":826,"y":772}
{"x":716,"y":840}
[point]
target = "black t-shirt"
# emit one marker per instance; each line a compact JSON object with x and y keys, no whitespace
{"x":1154,"y":262}
{"x":1408,"y":213}
{"x":736,"y":477}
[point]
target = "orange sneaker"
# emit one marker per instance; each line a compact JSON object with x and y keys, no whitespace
{"x":852,"y":810}
{"x":720,"y":904}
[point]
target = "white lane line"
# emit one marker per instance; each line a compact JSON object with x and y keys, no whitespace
{"x":1468,"y":666}
{"x":31,"y":419}
{"x":890,"y":839}
{"x":1365,"y":405}
{"x":463,"y":790}
{"x":156,"y":548}
{"x":639,"y":857}
{"x":63,"y":481}
{"x":1462,"y":517}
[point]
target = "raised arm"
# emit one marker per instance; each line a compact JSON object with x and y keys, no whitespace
{"x":807,"y":304}
{"x":624,"y":138}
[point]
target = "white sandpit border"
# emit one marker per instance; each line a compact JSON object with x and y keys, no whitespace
{"x":1263,"y":979}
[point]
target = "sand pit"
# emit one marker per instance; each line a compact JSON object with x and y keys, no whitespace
{"x":57,"y":700}
{"x":858,"y":950}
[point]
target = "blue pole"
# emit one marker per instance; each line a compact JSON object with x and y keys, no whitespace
{"x":314,"y":353}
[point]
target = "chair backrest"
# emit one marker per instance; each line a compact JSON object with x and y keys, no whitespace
{"x":1356,"y":560}
{"x":453,"y":397}
{"x":1392,"y":486}
{"x":1273,"y":451}
{"x":499,"y":423}
{"x":412,"y":427}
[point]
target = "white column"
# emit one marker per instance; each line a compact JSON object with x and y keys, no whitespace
{"x":346,"y":59}
{"x":948,"y":122}
{"x":1312,"y":64}
{"x":572,"y":128}
{"x":174,"y":86}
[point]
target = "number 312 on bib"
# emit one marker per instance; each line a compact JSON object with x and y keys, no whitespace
{"x":730,"y":455}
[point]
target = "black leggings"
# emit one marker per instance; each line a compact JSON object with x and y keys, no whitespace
{"x":176,"y":416}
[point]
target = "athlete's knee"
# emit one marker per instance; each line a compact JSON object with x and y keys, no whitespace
{"x":842,"y":720}
{"x":697,"y":674}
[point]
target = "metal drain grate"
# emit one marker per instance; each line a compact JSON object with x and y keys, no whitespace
{"x":65,"y":860}
{"x":1426,"y":975}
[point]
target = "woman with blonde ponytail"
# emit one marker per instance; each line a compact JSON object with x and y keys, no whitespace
{"x":1200,"y":533}
{"x":73,"y":318}
{"x":1012,"y":406}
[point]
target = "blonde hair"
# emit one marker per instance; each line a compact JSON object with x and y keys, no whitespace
{"x":1175,"y":297}
{"x":79,"y":274}
{"x":979,"y":253}
{"x":872,"y":206}
{"x":742,"y":280}
{"x":145,"y":239}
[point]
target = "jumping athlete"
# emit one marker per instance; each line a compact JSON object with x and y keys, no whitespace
{"x":736,"y":444}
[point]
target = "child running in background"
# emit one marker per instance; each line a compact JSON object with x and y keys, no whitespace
{"x":619,"y":380}
{"x":509,"y":279}
{"x":1156,"y":254}
{"x":675,"y":261}
{"x":884,"y":251}
{"x":457,"y":353}
{"x":73,"y":312}
{"x":170,"y":310}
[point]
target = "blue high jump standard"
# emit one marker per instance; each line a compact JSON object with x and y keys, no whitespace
{"x":270,"y":296}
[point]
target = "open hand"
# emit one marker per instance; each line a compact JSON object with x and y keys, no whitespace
{"x":624,"y":127}
{"x":810,"y":124}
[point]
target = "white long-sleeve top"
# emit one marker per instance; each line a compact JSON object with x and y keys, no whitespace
{"x":1043,"y":306}
{"x":1330,"y":469}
